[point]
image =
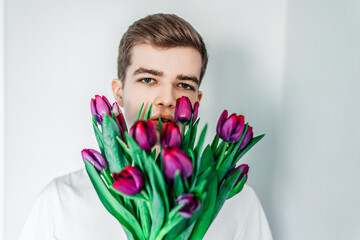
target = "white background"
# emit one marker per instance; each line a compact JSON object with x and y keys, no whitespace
{"x":291,"y":67}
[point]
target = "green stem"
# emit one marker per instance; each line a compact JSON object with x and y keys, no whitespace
{"x":221,"y":158}
{"x":167,"y":228}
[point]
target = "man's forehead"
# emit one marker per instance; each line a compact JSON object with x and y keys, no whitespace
{"x":184,"y":61}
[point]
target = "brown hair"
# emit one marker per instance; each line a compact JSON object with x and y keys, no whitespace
{"x":161,"y":30}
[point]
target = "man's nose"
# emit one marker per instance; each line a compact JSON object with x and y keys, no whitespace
{"x":165,"y":97}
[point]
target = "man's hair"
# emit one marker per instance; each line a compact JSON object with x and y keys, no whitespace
{"x":160,"y":30}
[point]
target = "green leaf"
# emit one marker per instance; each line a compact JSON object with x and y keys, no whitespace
{"x":224,"y":191}
{"x":144,"y":217}
{"x":242,"y":152}
{"x":207,"y":207}
{"x":127,"y":220}
{"x":206,"y":160}
{"x":237,"y":188}
{"x":159,"y":204}
{"x":139,"y":113}
{"x":113,"y":152}
{"x":193,"y":134}
{"x":179,"y":185}
{"x":98,"y":135}
{"x":200,"y":142}
{"x":148,"y":114}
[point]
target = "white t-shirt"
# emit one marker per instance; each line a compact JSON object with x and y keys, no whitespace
{"x":69,"y":208}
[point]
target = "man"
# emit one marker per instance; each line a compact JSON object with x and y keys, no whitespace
{"x":161,"y":58}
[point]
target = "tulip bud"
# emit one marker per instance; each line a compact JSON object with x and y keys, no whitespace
{"x":144,"y":133}
{"x":195,"y":112}
{"x":244,"y":168}
{"x":184,"y":110}
{"x":230,"y":129}
{"x":129,"y":181}
{"x":99,"y":107}
{"x":191,"y":205}
{"x":248,"y":137}
{"x":120,"y":119}
{"x":174,"y":159}
{"x":170,"y":135}
{"x":95,"y":158}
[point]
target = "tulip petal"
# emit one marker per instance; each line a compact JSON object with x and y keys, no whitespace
{"x":195,"y":112}
{"x":100,"y":158}
{"x":141,"y":136}
{"x":116,"y":109}
{"x":228,"y":127}
{"x":184,"y":160}
{"x":102,"y":106}
{"x":151,"y":132}
{"x":87,"y":155}
{"x":220,"y":123}
{"x":183,"y":110}
{"x":247,"y":138}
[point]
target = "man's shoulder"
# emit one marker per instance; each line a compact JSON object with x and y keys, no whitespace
{"x":70,"y":184}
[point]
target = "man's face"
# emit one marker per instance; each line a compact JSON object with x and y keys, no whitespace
{"x":158,"y":76}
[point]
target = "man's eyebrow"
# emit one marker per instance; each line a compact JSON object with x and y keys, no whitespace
{"x":189,"y":78}
{"x":150,"y":71}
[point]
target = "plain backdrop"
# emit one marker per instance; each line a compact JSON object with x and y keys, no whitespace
{"x":292,"y":68}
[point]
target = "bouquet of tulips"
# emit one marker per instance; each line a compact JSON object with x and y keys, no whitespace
{"x":173,"y":194}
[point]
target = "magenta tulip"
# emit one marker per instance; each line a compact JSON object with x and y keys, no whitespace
{"x":170,"y":135}
{"x":248,"y":137}
{"x":176,"y":160}
{"x":120,"y":119}
{"x":99,"y":107}
{"x":244,"y":168}
{"x":95,"y":158}
{"x":191,"y":205}
{"x":231,"y":128}
{"x":129,"y":181}
{"x":144,"y":133}
{"x":184,"y":110}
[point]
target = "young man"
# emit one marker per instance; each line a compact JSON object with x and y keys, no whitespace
{"x":161,"y":58}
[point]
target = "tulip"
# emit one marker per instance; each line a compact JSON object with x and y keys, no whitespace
{"x":191,"y":205}
{"x":129,"y":181}
{"x":170,"y":135}
{"x":195,"y":111}
{"x":247,"y":138}
{"x":231,"y":128}
{"x":120,"y":119}
{"x":95,"y":158}
{"x":99,"y":107}
{"x":144,"y":133}
{"x":184,"y":110}
{"x":244,"y":168}
{"x":176,"y":160}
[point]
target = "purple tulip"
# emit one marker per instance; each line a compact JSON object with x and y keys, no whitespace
{"x":144,"y":133}
{"x":99,"y":107}
{"x":170,"y":135}
{"x":129,"y":181}
{"x":191,"y":205}
{"x":231,"y":128}
{"x":244,"y":168}
{"x":120,"y":119}
{"x":174,"y":159}
{"x":184,"y":110}
{"x":248,"y":137}
{"x":95,"y":158}
{"x":195,"y":111}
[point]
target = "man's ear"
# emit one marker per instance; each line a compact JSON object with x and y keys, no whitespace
{"x":117,"y":88}
{"x":200,"y":94}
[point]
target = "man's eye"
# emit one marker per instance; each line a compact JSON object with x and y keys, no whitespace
{"x":147,"y":80}
{"x":185,"y":86}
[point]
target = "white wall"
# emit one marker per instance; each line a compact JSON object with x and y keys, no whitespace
{"x":315,"y":193}
{"x":62,"y":53}
{"x":2,"y":117}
